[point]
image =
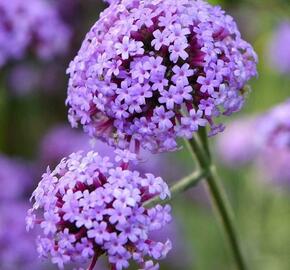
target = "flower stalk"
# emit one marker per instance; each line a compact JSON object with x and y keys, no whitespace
{"x":198,"y":146}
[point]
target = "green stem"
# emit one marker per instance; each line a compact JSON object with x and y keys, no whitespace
{"x":202,"y":133}
{"x":182,"y":185}
{"x":218,"y":196}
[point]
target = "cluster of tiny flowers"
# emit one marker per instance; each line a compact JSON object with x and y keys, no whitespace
{"x":153,"y":71}
{"x":279,"y":50}
{"x":31,"y":25}
{"x":89,"y":206}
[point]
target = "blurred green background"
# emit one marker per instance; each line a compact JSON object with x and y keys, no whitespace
{"x":262,"y":211}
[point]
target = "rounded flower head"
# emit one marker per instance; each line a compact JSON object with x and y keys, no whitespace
{"x":153,"y":71}
{"x":89,"y":206}
{"x":30,"y":24}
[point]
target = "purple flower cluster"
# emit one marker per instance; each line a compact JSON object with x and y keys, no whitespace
{"x":31,"y":24}
{"x":279,"y":50}
{"x":153,"y":71}
{"x":89,"y":206}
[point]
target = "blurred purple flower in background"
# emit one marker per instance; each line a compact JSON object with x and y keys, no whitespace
{"x":274,"y":166}
{"x":15,"y":178}
{"x":264,"y":139}
{"x":274,"y":142}
{"x":89,"y":206}
{"x":60,"y":141}
{"x":237,"y":145}
{"x":279,"y":50}
{"x":68,"y":9}
{"x":17,"y":247}
{"x":26,"y":78}
{"x":154,"y":71}
{"x":31,"y":25}
{"x":274,"y":127}
{"x":23,"y":79}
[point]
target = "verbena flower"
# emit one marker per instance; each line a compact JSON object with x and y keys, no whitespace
{"x":89,"y":206}
{"x":153,"y":71}
{"x":32,"y":25}
{"x":279,"y":51}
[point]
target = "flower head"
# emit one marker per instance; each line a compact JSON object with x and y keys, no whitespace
{"x":146,"y":66}
{"x":89,"y":206}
